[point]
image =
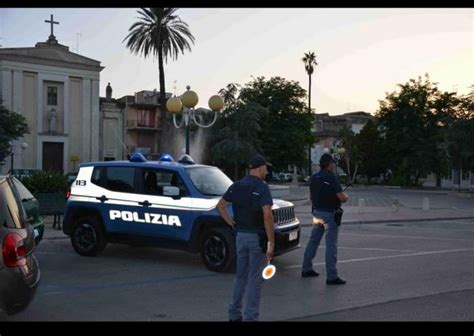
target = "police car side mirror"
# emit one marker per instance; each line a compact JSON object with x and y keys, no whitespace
{"x":171,"y":191}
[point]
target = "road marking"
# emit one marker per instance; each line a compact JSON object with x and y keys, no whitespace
{"x":390,"y":256}
{"x":412,"y":237}
{"x":65,"y":289}
{"x":56,"y":253}
{"x":372,"y":249}
{"x":400,"y":225}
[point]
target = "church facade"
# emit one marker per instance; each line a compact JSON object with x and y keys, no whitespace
{"x":57,"y":91}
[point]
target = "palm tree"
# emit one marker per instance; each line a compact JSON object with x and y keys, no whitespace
{"x":309,"y":61}
{"x":230,"y":94}
{"x":159,"y":33}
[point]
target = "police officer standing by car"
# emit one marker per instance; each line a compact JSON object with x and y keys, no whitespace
{"x":326,"y":197}
{"x":252,"y":205}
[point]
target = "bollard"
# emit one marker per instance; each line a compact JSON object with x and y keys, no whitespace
{"x":361,"y":204}
{"x":426,"y":203}
{"x":395,"y":204}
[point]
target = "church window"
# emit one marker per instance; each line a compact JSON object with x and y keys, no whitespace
{"x":52,"y":95}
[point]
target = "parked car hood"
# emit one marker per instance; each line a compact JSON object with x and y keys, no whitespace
{"x":279,"y":203}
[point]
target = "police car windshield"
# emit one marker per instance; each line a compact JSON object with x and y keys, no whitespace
{"x":209,"y":180}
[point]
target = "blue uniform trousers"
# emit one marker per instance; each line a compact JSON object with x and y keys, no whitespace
{"x":331,"y":244}
{"x":250,"y":264}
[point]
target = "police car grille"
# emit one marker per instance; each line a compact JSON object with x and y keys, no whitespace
{"x":284,"y":216}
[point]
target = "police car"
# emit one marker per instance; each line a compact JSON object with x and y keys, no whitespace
{"x":161,"y":203}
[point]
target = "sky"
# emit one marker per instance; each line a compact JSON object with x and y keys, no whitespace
{"x":362,"y":53}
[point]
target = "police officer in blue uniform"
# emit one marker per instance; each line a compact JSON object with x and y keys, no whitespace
{"x":326,"y":197}
{"x":255,"y":240}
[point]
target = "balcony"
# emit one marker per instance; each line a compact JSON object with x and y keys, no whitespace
{"x":142,"y":126}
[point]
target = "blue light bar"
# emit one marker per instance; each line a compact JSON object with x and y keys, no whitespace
{"x":137,"y":157}
{"x":166,"y":158}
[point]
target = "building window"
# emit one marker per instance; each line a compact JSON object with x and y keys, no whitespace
{"x":146,"y":118}
{"x":52,"y":95}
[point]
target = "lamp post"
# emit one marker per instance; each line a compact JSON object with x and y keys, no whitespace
{"x":340,"y":151}
{"x":186,"y":104}
{"x":24,"y":145}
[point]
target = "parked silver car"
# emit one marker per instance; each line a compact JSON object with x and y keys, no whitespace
{"x":286,"y":177}
{"x":32,"y":209}
{"x":19,"y":269}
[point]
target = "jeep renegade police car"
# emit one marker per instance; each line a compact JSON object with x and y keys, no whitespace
{"x":161,"y":203}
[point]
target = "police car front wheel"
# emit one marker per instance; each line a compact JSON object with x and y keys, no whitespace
{"x":87,"y":237}
{"x":218,"y":250}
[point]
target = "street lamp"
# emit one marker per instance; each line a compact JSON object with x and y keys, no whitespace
{"x":186,"y":104}
{"x":24,"y":145}
{"x":340,"y":151}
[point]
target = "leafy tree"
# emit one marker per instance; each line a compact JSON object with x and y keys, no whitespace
{"x":412,"y":123}
{"x":461,"y":144}
{"x":238,"y":139}
{"x":446,"y":111}
{"x":160,"y":33}
{"x":460,"y":135}
{"x":236,"y":133}
{"x":230,"y":94}
{"x":309,"y":61}
{"x":351,"y":158}
{"x":12,"y":127}
{"x":286,"y":127}
{"x":371,"y":150}
{"x":465,"y":109}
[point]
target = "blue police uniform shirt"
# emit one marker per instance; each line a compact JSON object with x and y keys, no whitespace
{"x":248,"y":196}
{"x":323,"y":187}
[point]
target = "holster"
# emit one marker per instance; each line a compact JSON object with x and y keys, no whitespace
{"x":263,"y":241}
{"x":338,"y":216}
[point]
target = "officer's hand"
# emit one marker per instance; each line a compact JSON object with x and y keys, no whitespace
{"x":270,"y":251}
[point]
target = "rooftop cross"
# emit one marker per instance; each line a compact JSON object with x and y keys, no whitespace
{"x":52,"y":22}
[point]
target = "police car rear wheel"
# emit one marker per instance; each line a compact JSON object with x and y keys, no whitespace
{"x":218,"y":250}
{"x":87,"y":237}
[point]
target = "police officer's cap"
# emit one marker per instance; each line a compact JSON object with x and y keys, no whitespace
{"x":326,"y":157}
{"x":257,"y":161}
